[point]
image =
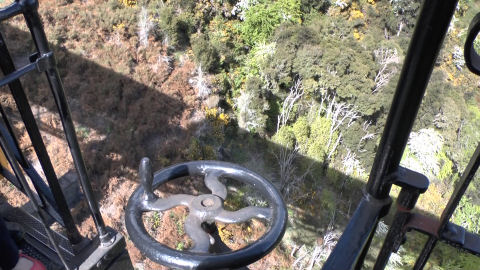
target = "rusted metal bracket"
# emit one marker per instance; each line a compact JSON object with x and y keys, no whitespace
{"x":453,"y":234}
{"x":413,"y":184}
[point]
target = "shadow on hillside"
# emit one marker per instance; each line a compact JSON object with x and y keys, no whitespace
{"x":127,"y":119}
{"x":131,"y":120}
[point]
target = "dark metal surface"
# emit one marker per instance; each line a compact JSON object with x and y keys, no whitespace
{"x":9,"y":11}
{"x":413,"y":184}
{"x":396,"y":233}
{"x":472,"y":59}
{"x":206,"y":208}
{"x":427,"y":39}
{"x":111,"y":257}
{"x":446,"y":230}
{"x":32,"y":18}
{"x":452,"y":234}
{"x":17,"y":74}
{"x":21,"y":178}
{"x":423,"y":224}
{"x":409,"y":179}
{"x":358,"y":233}
{"x":59,"y":203}
{"x":107,"y":250}
{"x":39,"y":65}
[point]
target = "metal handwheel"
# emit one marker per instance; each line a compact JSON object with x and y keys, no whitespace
{"x":204,"y":209}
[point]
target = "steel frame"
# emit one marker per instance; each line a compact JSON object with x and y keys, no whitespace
{"x":350,"y":252}
{"x":48,"y":202}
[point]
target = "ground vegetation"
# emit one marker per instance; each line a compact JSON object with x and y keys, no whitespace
{"x":296,"y":90}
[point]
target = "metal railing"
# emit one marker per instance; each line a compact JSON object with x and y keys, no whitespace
{"x":48,"y":202}
{"x":352,"y":247}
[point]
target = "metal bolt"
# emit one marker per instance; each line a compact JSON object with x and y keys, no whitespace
{"x":208,"y":202}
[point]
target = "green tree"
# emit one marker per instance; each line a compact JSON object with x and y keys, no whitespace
{"x":262,"y":18}
{"x":205,"y":54}
{"x":321,"y":140}
{"x":176,"y":27}
{"x":285,"y":137}
{"x":406,"y":11}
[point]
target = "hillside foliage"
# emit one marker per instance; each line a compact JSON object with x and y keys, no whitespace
{"x":309,"y":85}
{"x":316,"y":79}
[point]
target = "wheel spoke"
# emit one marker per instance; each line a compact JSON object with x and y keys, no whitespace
{"x":212,"y":183}
{"x":245,"y":214}
{"x":163,"y":204}
{"x":201,"y":239}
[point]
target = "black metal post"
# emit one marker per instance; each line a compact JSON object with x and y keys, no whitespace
{"x":452,"y":204}
{"x":30,"y":10}
{"x":21,"y":178}
{"x":425,"y":254}
{"x":406,"y":201}
{"x":350,"y":249}
{"x":430,"y":30}
{"x":7,"y":66}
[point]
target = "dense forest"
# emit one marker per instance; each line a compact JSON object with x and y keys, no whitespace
{"x":297,"y":90}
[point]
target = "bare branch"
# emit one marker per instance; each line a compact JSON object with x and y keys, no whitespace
{"x":144,"y":27}
{"x":339,"y":113}
{"x":365,"y":137}
{"x":296,"y":92}
{"x":386,"y":58}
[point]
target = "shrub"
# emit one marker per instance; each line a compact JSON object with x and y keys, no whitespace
{"x":320,"y":145}
{"x":467,"y":215}
{"x":198,"y":151}
{"x":285,"y":137}
{"x":253,"y":105}
{"x":116,"y":16}
{"x":176,"y":27}
{"x":217,"y":123}
{"x":262,"y":19}
{"x":224,"y":35}
{"x":206,"y":55}
{"x":301,"y":129}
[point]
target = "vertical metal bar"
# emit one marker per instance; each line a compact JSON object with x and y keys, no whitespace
{"x":452,"y":204}
{"x":464,"y":182}
{"x":18,"y":173}
{"x":405,"y":202}
{"x":358,"y":233}
{"x":7,"y":66}
{"x":425,"y":254}
{"x":363,"y":255}
{"x":430,"y":30}
{"x":427,"y":39}
{"x":21,"y":158}
{"x":36,"y":28}
{"x":40,"y":186}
